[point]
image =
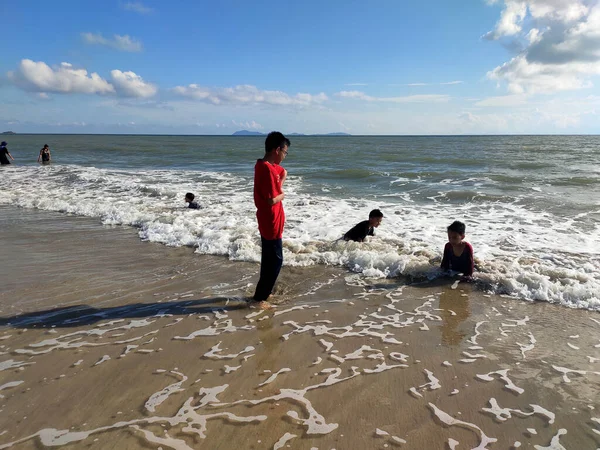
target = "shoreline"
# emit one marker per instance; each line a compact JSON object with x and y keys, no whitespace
{"x":165,"y":353}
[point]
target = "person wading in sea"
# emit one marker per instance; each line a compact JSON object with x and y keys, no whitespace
{"x":268,"y":196}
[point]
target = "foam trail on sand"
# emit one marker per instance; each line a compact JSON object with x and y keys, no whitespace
{"x":504,"y":377}
{"x":283,"y":440}
{"x":555,"y":443}
{"x":159,"y":397}
{"x":275,"y":375}
{"x":451,"y":421}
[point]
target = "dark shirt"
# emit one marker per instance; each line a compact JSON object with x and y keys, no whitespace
{"x":4,"y":155}
{"x":463,"y":263}
{"x":193,"y":205}
{"x":45,"y":155}
{"x":359,"y":232}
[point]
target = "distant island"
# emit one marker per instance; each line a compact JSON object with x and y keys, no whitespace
{"x":8,"y":132}
{"x":257,"y":133}
{"x":248,"y":133}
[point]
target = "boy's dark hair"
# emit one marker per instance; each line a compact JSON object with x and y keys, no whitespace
{"x":274,"y":140}
{"x":190,"y":196}
{"x":375,"y":213}
{"x":458,"y":227}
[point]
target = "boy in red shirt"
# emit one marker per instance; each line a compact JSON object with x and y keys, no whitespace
{"x":268,"y":195}
{"x":458,"y":254}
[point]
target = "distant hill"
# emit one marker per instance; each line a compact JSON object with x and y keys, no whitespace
{"x":8,"y":132}
{"x":257,"y":133}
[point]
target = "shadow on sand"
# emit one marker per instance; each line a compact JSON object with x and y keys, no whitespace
{"x":81,"y":315}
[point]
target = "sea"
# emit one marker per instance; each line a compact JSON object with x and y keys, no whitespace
{"x":531,"y":204}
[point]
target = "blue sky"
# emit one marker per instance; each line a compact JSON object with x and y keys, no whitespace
{"x":385,"y":67}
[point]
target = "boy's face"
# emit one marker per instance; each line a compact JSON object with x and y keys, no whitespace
{"x":187,"y":199}
{"x":455,"y":238}
{"x":375,"y":221}
{"x":281,"y":154}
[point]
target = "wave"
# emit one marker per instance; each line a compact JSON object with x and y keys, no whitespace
{"x":520,"y":251}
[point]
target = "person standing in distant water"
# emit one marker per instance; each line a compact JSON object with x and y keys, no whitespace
{"x":44,"y":154}
{"x":458,"y":254}
{"x":268,"y":196}
{"x":4,"y":154}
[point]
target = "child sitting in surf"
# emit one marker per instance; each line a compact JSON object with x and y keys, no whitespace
{"x":365,"y":228}
{"x":458,"y":254}
{"x":189,"y":199}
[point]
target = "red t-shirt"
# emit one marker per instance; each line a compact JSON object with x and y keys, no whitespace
{"x":267,"y":184}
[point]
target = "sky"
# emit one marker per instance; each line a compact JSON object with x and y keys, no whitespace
{"x":384,"y":67}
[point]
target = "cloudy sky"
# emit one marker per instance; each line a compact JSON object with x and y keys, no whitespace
{"x":382,"y":67}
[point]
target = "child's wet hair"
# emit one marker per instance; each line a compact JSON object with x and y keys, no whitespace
{"x":375,"y":213}
{"x":458,"y":227}
{"x":190,"y":196}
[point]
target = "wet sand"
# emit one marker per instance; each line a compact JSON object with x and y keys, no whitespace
{"x":108,"y":342}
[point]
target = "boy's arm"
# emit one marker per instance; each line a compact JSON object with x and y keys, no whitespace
{"x":446,"y":258}
{"x":284,"y":176}
{"x":471,"y":267}
{"x":275,"y":200}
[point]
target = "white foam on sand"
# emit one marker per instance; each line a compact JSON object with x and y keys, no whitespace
{"x":502,"y":414}
{"x":451,"y":421}
{"x":275,"y":375}
{"x":565,"y":371}
{"x":12,"y":364}
{"x":215,"y":352}
{"x":527,"y":347}
{"x":219,"y":326}
{"x":9,"y":385}
{"x":555,"y":443}
{"x":503,"y":375}
{"x":283,"y":440}
{"x":159,"y":397}
{"x":102,"y":360}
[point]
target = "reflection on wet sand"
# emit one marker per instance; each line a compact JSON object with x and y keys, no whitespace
{"x":455,"y":310}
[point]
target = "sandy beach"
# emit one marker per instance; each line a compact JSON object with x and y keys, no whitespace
{"x":110,"y":342}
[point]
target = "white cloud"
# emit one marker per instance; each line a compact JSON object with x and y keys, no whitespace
{"x":523,"y":76}
{"x":39,"y":77}
{"x":248,"y":125}
{"x":447,"y":83}
{"x":560,"y":50}
{"x":503,"y":101}
{"x":64,"y":79}
{"x":247,"y":95}
{"x":558,"y":10}
{"x":510,"y":20}
{"x":129,"y":84}
{"x":123,"y":43}
{"x":429,"y":98}
{"x":137,"y":7}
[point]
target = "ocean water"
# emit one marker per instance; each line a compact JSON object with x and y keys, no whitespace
{"x":531,"y":203}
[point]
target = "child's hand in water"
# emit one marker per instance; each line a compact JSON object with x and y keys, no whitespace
{"x":467,"y":279}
